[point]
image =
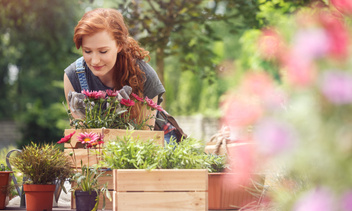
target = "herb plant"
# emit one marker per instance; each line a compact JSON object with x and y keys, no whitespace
{"x":132,"y":153}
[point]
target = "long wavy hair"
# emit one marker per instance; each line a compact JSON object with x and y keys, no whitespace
{"x":126,"y":71}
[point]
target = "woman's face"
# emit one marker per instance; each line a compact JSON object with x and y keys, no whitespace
{"x":100,"y":51}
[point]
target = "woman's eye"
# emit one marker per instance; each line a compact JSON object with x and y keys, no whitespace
{"x":87,"y":51}
{"x":103,"y":52}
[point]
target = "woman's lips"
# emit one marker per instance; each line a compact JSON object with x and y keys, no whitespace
{"x":97,"y":67}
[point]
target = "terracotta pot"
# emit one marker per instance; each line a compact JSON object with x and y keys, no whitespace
{"x":84,"y":200}
{"x":224,"y":194}
{"x":39,"y":197}
{"x":5,"y":180}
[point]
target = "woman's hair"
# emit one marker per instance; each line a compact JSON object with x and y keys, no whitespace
{"x":126,"y":71}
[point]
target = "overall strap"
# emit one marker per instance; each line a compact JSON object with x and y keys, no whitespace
{"x":80,"y":70}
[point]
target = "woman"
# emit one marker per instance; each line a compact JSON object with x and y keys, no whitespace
{"x":112,"y":59}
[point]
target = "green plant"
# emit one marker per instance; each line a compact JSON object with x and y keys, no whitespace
{"x":133,"y":153}
{"x":87,"y":178}
{"x":43,"y":164}
{"x":4,"y":168}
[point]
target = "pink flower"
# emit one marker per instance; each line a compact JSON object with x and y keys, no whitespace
{"x":67,"y":138}
{"x":337,"y":34}
{"x":258,"y":84}
{"x":94,"y":94}
{"x":137,"y":97}
{"x":273,"y":137}
{"x":346,"y":201}
{"x":151,"y":103}
{"x":316,"y":200}
{"x":87,"y":138}
{"x":112,"y":93}
{"x":310,"y":43}
{"x":336,"y":86}
{"x":270,"y":43}
{"x":127,"y":102}
{"x":344,"y":6}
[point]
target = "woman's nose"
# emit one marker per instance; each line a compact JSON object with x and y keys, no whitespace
{"x":95,"y":59}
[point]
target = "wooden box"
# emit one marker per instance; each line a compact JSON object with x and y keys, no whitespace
{"x":109,"y":135}
{"x":163,"y":189}
{"x":225,"y":194}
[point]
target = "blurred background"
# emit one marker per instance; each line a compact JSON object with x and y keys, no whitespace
{"x":199,"y":48}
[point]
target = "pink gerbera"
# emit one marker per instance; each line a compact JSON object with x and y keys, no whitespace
{"x":127,"y":102}
{"x":112,"y":93}
{"x":137,"y":97}
{"x":88,"y":138}
{"x":66,"y":138}
{"x":94,"y":94}
{"x":152,"y":104}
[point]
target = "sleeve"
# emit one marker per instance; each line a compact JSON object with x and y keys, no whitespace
{"x":152,"y":86}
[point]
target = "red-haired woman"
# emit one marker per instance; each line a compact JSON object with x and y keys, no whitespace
{"x":112,"y":59}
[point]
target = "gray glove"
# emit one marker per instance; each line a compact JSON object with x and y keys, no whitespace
{"x":124,"y":93}
{"x":76,"y":104}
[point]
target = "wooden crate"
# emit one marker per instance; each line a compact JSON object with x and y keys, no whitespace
{"x":164,"y":189}
{"x":109,"y":135}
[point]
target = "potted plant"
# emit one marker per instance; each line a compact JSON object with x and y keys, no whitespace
{"x":5,"y":187}
{"x":42,"y":164}
{"x":86,"y":186}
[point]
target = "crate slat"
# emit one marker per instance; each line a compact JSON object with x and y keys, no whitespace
{"x":154,"y":201}
{"x":160,"y":180}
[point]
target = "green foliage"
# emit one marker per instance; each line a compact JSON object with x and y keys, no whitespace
{"x":36,"y":40}
{"x":130,"y":153}
{"x":87,"y":180}
{"x":43,"y":164}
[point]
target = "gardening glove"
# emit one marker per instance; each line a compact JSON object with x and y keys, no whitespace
{"x":76,"y":104}
{"x":124,"y":93}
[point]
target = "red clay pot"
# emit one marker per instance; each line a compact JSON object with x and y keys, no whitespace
{"x":5,"y":180}
{"x":39,"y":197}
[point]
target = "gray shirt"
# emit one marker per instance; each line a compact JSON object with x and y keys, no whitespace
{"x":152,"y":85}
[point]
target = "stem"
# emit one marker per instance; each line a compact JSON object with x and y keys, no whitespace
{"x":74,"y":156}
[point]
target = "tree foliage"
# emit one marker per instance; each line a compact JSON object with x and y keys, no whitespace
{"x":36,"y":42}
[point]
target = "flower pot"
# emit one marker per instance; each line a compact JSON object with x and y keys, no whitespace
{"x":224,"y":194}
{"x":5,"y":180}
{"x":84,"y":200}
{"x":39,"y":197}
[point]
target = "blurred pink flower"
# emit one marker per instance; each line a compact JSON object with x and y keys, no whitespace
{"x":344,"y":6}
{"x":259,"y":84}
{"x":137,"y":97}
{"x":112,"y":93}
{"x":310,"y":43}
{"x":336,"y":86}
{"x":241,"y":111}
{"x":270,"y":43}
{"x":273,"y":137}
{"x":242,"y":164}
{"x":299,"y":72}
{"x":67,"y":138}
{"x":94,"y":94}
{"x":316,"y":200}
{"x":346,"y":201}
{"x":337,"y":35}
{"x":126,"y":102}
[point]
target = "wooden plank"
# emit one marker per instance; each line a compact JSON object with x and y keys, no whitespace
{"x":82,"y":155}
{"x":160,"y":180}
{"x":111,"y":134}
{"x":154,"y":201}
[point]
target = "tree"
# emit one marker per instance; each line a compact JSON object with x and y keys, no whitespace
{"x":36,"y":39}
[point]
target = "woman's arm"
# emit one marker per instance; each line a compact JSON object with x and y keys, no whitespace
{"x":67,"y":88}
